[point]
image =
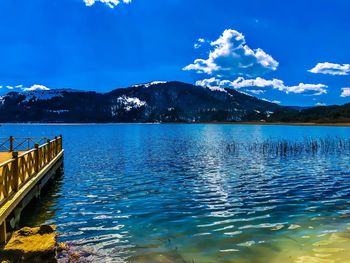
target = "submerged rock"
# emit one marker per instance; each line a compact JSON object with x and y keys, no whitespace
{"x":37,"y":244}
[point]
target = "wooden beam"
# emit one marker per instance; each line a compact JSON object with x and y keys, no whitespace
{"x":11,"y":143}
{"x":3,"y":233}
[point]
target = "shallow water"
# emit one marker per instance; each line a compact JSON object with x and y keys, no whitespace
{"x":175,"y":193}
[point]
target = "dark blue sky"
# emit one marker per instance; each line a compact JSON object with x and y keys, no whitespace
{"x":67,"y":44}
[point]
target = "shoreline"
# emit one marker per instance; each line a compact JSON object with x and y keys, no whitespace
{"x":346,"y":124}
{"x":311,"y":124}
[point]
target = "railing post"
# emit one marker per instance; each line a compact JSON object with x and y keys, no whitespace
{"x":15,"y":176}
{"x":11,"y":143}
{"x":37,"y":159}
{"x":49,"y":151}
{"x":61,"y":143}
{"x":56,"y":145}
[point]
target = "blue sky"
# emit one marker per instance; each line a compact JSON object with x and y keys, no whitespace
{"x":294,"y":52}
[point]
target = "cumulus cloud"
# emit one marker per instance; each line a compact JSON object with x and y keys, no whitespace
{"x":231,"y":56}
{"x":313,"y":89}
{"x":345,"y":92}
{"x":331,"y":69}
{"x":320,"y":104}
{"x":110,"y":3}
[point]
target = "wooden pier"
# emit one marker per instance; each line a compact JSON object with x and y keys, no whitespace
{"x":25,"y":168}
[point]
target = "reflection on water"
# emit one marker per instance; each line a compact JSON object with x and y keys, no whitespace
{"x":174,"y":193}
{"x":42,"y":210}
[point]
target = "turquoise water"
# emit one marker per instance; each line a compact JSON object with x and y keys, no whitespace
{"x":177,"y":193}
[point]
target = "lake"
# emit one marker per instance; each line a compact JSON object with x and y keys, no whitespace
{"x":179,"y":193}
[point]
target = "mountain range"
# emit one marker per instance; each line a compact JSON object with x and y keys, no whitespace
{"x":153,"y":102}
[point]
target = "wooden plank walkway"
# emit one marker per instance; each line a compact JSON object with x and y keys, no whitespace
{"x":6,"y":156}
{"x":22,"y":175}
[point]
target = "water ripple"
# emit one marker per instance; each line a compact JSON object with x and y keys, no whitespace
{"x":176,"y":193}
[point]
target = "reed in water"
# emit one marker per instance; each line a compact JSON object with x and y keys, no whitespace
{"x":326,"y":145}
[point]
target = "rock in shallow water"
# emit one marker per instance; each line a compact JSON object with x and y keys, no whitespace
{"x":37,"y":244}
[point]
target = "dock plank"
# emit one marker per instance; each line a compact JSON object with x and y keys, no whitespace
{"x":5,"y":156}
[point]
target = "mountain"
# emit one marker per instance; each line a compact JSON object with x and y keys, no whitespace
{"x":20,"y":88}
{"x":320,"y":114}
{"x":150,"y":102}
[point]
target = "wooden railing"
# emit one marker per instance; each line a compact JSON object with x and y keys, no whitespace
{"x":15,"y":172}
{"x":11,"y":143}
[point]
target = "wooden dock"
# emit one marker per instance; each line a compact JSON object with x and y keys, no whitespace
{"x":25,"y":168}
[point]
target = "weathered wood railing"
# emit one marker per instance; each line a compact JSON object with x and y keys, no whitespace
{"x":22,"y":167}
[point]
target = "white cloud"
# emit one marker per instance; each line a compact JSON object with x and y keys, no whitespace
{"x":331,"y":69}
{"x":214,"y":82}
{"x":313,"y":89}
{"x":231,"y":56}
{"x":320,"y":104}
{"x":199,"y":43}
{"x":258,"y":82}
{"x":272,"y":101}
{"x":345,"y":92}
{"x":257,"y":91}
{"x":110,"y":3}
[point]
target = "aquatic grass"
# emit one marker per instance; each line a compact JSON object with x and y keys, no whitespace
{"x":282,"y":147}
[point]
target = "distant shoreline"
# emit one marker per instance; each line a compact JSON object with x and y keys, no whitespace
{"x":311,"y":124}
{"x":346,"y":124}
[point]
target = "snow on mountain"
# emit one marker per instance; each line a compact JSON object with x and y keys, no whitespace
{"x":20,"y":88}
{"x":149,"y":84}
{"x":161,"y":102}
{"x":126,"y":104}
{"x":36,"y":87}
{"x":35,"y":92}
{"x":129,"y":103}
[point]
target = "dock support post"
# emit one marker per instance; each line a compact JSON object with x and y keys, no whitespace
{"x":15,"y":177}
{"x":37,"y":159}
{"x":11,"y":143}
{"x":3,"y":233}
